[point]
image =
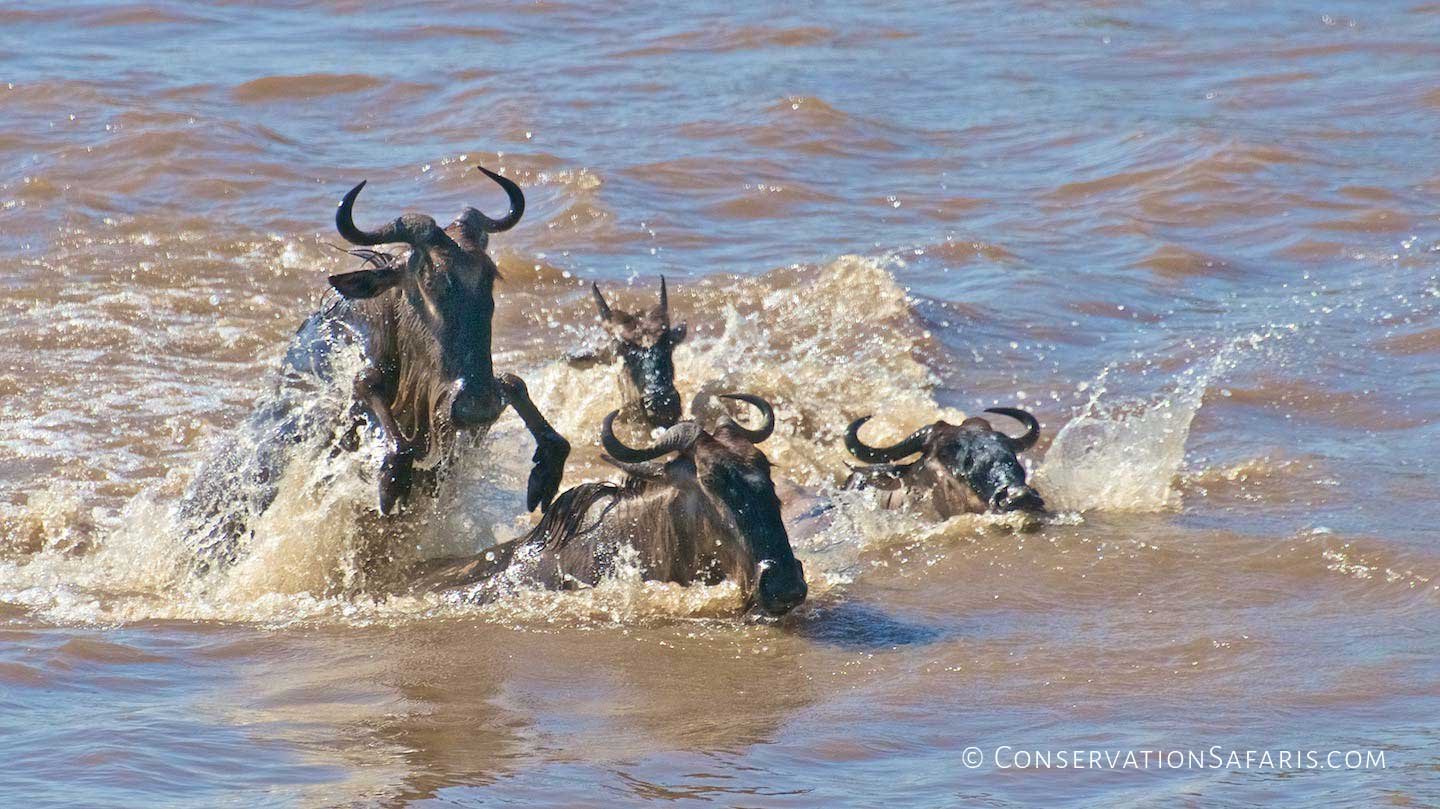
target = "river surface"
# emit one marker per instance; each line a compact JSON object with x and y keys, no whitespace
{"x":1199,"y":240}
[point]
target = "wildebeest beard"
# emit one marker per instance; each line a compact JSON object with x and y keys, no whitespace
{"x":424,"y":392}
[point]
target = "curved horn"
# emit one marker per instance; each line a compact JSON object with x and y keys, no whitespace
{"x":345,"y":223}
{"x":664,"y":301}
{"x":517,"y":204}
{"x":911,"y":445}
{"x":1032,"y":427}
{"x":600,"y":304}
{"x":648,"y":470}
{"x":676,"y":439}
{"x":760,"y":433}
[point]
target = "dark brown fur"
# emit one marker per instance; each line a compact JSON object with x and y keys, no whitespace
{"x":426,"y":331}
{"x":708,"y":515}
{"x":960,"y":469}
{"x":423,"y":327}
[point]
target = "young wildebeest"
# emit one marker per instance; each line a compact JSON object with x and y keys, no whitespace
{"x":707,"y":515}
{"x":961,"y":470}
{"x":422,"y":327}
{"x":645,"y":341}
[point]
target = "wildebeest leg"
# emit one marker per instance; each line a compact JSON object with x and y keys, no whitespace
{"x":397,"y":470}
{"x":551,"y":449}
{"x":240,"y":481}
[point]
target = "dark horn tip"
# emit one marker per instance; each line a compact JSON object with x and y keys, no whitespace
{"x":911,"y":445}
{"x":608,"y":423}
{"x":517,"y":203}
{"x":762,"y":432}
{"x":1022,"y":416}
{"x":601,"y":306}
{"x":345,"y":223}
{"x":1032,"y":425}
{"x":350,"y":195}
{"x":750,"y":399}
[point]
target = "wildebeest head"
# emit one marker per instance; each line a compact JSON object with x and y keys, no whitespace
{"x":973,"y":463}
{"x":447,"y":285}
{"x":646,"y":342}
{"x":732,"y":475}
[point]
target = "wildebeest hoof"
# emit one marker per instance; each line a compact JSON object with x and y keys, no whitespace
{"x":397,"y":474}
{"x":426,"y":482}
{"x":551,"y":450}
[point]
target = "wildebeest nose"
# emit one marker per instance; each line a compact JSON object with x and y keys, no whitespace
{"x":1020,"y":498}
{"x":782,"y":587}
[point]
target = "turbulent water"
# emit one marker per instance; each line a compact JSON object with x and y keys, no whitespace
{"x":1199,"y":241}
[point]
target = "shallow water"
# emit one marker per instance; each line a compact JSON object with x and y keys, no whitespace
{"x":1199,"y":241}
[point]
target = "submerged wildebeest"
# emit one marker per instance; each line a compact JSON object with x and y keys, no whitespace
{"x":964,"y":469}
{"x":707,"y":515}
{"x":645,"y":341}
{"x":422,"y":327}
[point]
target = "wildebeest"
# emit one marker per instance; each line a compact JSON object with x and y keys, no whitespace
{"x":964,"y":469}
{"x":422,"y":328}
{"x":645,"y":342}
{"x":708,"y":514}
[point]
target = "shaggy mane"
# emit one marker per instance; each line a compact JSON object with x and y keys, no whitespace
{"x":561,"y":522}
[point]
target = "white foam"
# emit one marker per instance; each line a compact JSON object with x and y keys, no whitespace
{"x":824,"y":344}
{"x":1126,"y":453}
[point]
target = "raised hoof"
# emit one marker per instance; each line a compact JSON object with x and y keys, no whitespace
{"x":397,"y":475}
{"x":548,"y":472}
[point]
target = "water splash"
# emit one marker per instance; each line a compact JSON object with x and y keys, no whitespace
{"x":823,"y":343}
{"x":820,"y":342}
{"x":1126,"y":454}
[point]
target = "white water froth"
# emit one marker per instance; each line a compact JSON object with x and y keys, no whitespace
{"x":825,"y":346}
{"x":1126,"y":454}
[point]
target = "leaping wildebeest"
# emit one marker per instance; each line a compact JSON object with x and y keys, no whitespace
{"x":422,"y":327}
{"x":708,"y":514}
{"x":645,"y":342}
{"x":961,"y":469}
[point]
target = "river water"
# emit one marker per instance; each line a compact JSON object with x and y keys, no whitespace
{"x":1198,"y":239}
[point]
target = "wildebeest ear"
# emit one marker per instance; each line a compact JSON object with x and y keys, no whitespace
{"x":365,"y":283}
{"x":677,"y":334}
